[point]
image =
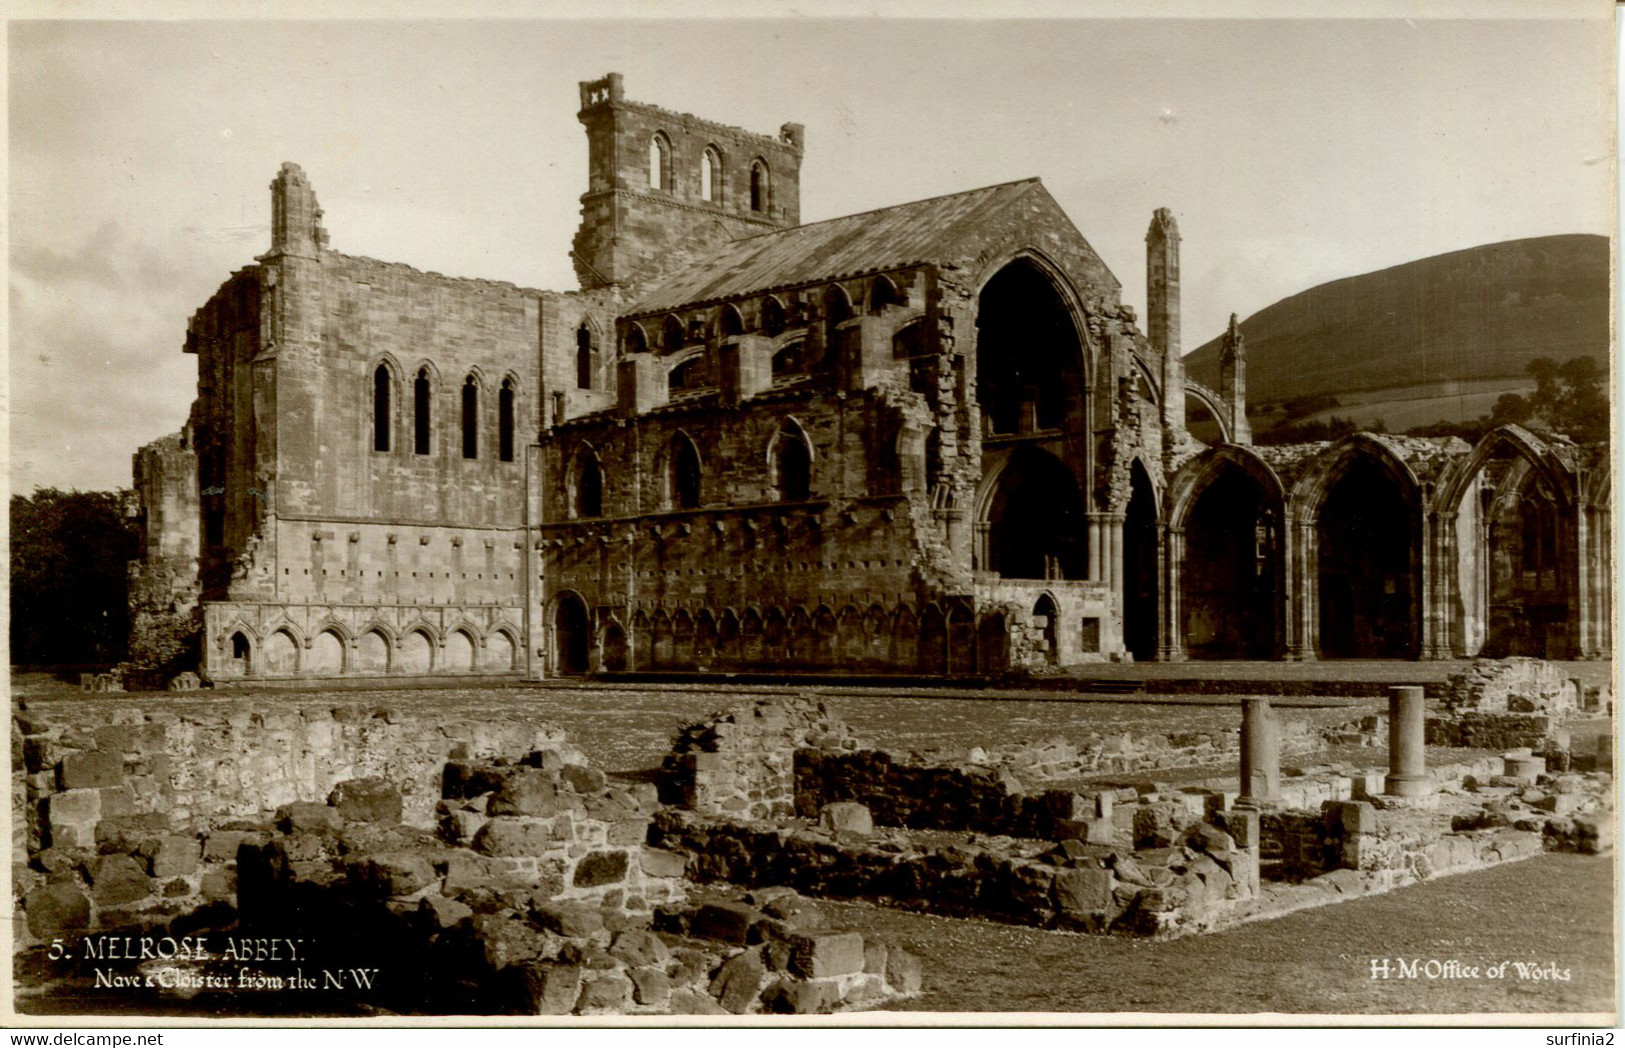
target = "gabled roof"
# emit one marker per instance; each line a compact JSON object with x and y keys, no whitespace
{"x":937,"y":229}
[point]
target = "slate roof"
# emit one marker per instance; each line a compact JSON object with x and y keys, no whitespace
{"x":868,"y":242}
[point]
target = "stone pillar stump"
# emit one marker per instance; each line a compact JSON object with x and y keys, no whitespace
{"x":1407,"y":758}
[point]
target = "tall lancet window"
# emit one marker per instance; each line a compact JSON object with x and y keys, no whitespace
{"x":380,"y":408}
{"x":471,"y":418}
{"x":505,"y":421}
{"x":420,"y":413}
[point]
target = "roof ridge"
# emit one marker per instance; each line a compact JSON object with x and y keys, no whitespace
{"x":888,"y":207}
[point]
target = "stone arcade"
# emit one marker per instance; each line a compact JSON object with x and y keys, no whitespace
{"x":927,"y":439}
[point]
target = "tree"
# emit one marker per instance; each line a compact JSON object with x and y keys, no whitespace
{"x":1569,"y":397}
{"x":70,"y":554}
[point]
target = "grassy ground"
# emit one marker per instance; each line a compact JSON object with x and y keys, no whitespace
{"x":630,"y":729}
{"x":1555,"y":908}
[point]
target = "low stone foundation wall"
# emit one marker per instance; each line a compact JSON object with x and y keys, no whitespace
{"x":1071,"y":885}
{"x":1122,"y":754}
{"x":968,"y":797}
{"x":1498,"y":731}
{"x":740,"y":761}
{"x":1513,"y":685}
{"x":203,"y":765}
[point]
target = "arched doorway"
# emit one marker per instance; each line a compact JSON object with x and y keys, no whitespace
{"x":1044,"y":621}
{"x":1367,"y":566}
{"x":572,"y":636}
{"x":1036,"y":526}
{"x":1230,"y":574}
{"x":1527,"y":594}
{"x":1140,"y":567}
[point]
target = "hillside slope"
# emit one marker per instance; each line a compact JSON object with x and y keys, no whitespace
{"x":1471,"y":316}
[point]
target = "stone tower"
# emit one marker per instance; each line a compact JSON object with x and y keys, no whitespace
{"x":664,"y":187}
{"x":1233,"y":382}
{"x":1162,"y":320}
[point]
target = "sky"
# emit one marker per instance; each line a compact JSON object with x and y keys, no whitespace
{"x":1292,"y":152}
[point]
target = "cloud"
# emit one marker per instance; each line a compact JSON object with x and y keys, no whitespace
{"x":96,"y":368}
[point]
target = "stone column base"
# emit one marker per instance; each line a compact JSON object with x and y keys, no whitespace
{"x":1408,"y":786}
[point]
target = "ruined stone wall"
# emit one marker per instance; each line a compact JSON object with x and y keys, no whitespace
{"x":742,"y":761}
{"x":1076,"y":886}
{"x":204,"y":763}
{"x":846,"y":575}
{"x":226,"y":336}
{"x":164,"y":584}
{"x":1084,"y":627}
{"x":1513,"y":685}
{"x":563,"y":318}
{"x":367,"y":313}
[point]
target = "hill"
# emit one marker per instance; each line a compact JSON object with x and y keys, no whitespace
{"x":1428,"y":340}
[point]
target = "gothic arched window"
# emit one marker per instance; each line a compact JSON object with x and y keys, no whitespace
{"x":711,"y":175}
{"x":471,"y":417}
{"x":659,"y":162}
{"x":792,"y":466}
{"x":758,"y":186}
{"x":505,"y":421}
{"x":584,"y":368}
{"x":420,"y":413}
{"x":381,"y":388}
{"x":685,"y":474}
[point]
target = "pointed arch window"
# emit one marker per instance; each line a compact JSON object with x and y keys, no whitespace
{"x":772,"y":317}
{"x":584,"y":368}
{"x":671,"y":334}
{"x":505,"y":421}
{"x":471,"y":418}
{"x":420,"y":413}
{"x":589,"y":487}
{"x":758,"y":186}
{"x":685,"y":473}
{"x":659,"y":162}
{"x":792,"y":466}
{"x":382,"y":386}
{"x":711,"y":175}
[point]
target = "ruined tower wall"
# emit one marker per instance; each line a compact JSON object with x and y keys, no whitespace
{"x":164,"y":584}
{"x":224,"y":334}
{"x":631,"y":229}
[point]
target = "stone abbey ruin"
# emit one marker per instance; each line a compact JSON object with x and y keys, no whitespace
{"x":919,"y":442}
{"x":926,"y":439}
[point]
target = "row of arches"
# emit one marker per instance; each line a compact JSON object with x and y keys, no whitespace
{"x":335,"y":651}
{"x":938,"y":638}
{"x":1362,"y":559}
{"x":710,"y":175}
{"x":386,"y":423}
{"x":1357,"y":558}
{"x":685,"y":482}
{"x":771,"y":316}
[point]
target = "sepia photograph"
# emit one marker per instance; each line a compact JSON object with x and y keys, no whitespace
{"x":896,"y":514}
